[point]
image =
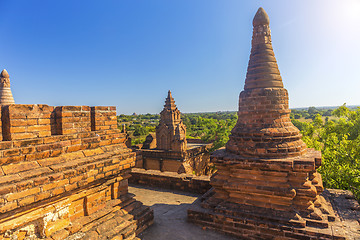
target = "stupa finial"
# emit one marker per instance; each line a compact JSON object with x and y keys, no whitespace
{"x":4,"y":74}
{"x":170,"y":102}
{"x":262,"y":70}
{"x":261,"y":18}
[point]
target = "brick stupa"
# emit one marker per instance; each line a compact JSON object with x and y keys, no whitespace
{"x":171,"y":131}
{"x":6,"y":97}
{"x":267,"y":184}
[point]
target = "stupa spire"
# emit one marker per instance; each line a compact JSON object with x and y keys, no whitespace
{"x":264,"y":128}
{"x":6,"y":97}
{"x":170,"y":102}
{"x":262,"y":70}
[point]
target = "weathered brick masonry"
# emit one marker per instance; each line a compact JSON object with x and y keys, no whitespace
{"x":267,"y":185}
{"x":64,"y":172}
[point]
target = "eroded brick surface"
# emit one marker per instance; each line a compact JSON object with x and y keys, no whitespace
{"x":69,"y":182}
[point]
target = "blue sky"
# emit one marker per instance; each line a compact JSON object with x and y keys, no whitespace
{"x":130,"y":53}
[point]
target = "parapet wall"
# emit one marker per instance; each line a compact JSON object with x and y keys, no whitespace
{"x":64,"y":172}
{"x":31,"y":121}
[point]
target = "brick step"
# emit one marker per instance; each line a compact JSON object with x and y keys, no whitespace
{"x":133,"y":207}
{"x":128,"y":233}
{"x":257,"y":215}
{"x":260,"y":231}
{"x":35,"y":170}
{"x":116,"y":230}
{"x":111,"y":223}
{"x":316,"y":223}
{"x":265,"y":217}
{"x":60,"y":184}
{"x":142,"y":214}
{"x":25,"y":166}
{"x":145,"y":220}
{"x":88,"y":222}
{"x":40,"y":148}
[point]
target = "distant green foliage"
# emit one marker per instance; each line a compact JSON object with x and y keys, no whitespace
{"x":140,"y":130}
{"x":210,"y":127}
{"x":339,"y":142}
{"x":138,"y":126}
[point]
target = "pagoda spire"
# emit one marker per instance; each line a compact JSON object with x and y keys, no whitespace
{"x":262,"y":70}
{"x":170,"y":102}
{"x":6,"y":97}
{"x":264,"y":128}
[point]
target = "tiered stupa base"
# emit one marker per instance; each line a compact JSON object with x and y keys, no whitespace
{"x":255,"y":198}
{"x":233,"y":221}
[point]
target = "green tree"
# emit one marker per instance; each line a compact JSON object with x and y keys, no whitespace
{"x":339,"y":143}
{"x":140,"y":130}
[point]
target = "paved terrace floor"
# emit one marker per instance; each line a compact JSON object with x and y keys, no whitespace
{"x":170,"y":213}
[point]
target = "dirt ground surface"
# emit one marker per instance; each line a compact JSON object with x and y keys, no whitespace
{"x":170,"y":213}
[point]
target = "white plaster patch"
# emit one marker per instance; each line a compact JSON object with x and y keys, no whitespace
{"x":59,"y":213}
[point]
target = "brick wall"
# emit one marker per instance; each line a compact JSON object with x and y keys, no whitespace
{"x":57,"y":177}
{"x":26,"y":121}
{"x":72,"y":119}
{"x":103,"y":118}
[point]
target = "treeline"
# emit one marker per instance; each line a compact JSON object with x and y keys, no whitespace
{"x":138,"y":126}
{"x":210,"y":127}
{"x":310,"y":113}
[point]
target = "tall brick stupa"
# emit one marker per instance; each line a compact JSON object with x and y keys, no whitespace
{"x":6,"y":97}
{"x":267,"y":185}
{"x":171,"y":131}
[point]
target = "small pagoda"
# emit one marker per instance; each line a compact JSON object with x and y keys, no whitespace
{"x":6,"y":97}
{"x":266,"y":185}
{"x":171,"y":131}
{"x":169,"y":150}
